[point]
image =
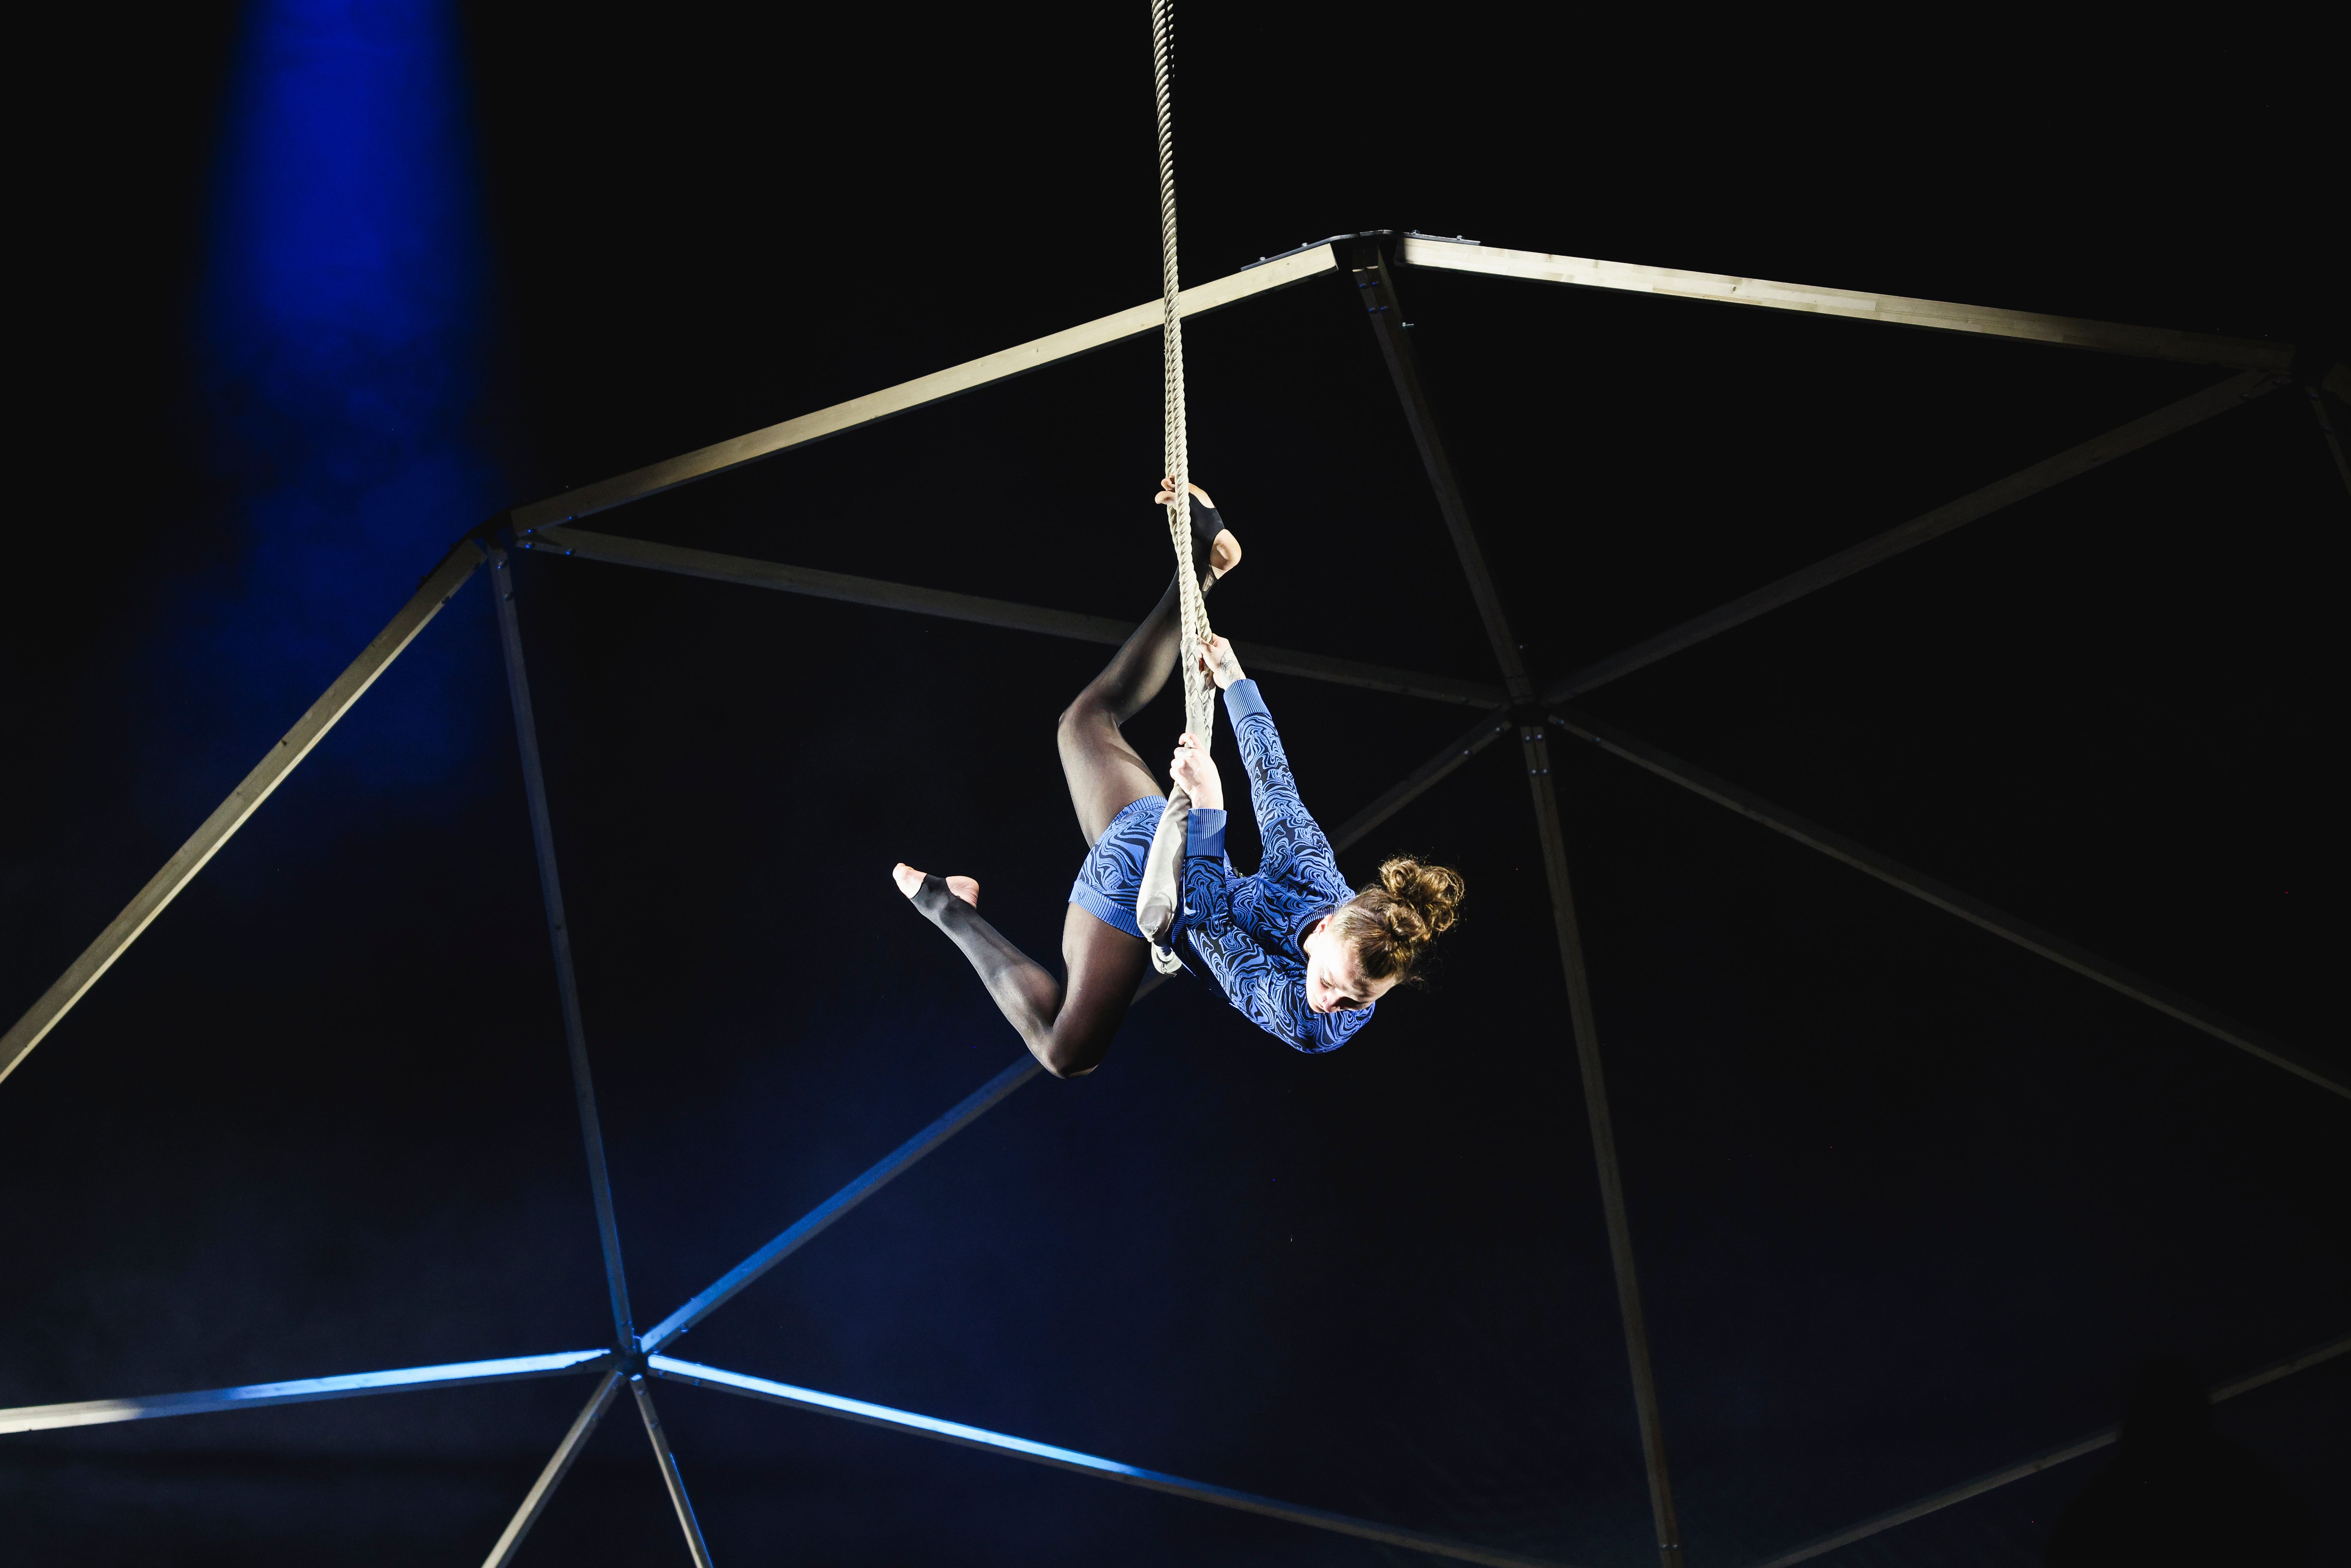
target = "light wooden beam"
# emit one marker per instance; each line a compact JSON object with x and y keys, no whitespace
{"x":1488,"y":728}
{"x":2035,"y":1465}
{"x":650,"y":480}
{"x":243,"y":802}
{"x":302,"y":1391}
{"x":2050,"y":471}
{"x":939,"y":601}
{"x":1384,"y":310}
{"x":1951,"y":901}
{"x":1000,"y":1443}
{"x":2106,"y":337}
{"x":550,"y":1476}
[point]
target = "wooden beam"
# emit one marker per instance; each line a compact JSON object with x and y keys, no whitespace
{"x":1101,"y":629}
{"x":1004,"y":1443}
{"x":303,"y":1390}
{"x":812,"y":1224}
{"x":1384,"y":311}
{"x":243,"y":802}
{"x":1376,"y":288}
{"x":550,"y":1476}
{"x":672,"y":472}
{"x":1423,"y":778}
{"x":2034,"y":1466}
{"x":558,"y":937}
{"x":2106,"y":337}
{"x":989,"y":1095}
{"x":672,"y":1478}
{"x":1951,"y":901}
{"x":2050,"y":471}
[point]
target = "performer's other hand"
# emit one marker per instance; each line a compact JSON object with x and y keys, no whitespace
{"x":1217,"y":658}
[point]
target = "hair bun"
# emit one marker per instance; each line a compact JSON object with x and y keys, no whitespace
{"x":1428,"y":899}
{"x":1390,"y":924}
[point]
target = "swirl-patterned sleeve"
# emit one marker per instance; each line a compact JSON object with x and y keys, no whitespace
{"x":1245,"y":929}
{"x":1298,"y":867}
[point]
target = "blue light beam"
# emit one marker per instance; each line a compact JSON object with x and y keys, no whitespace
{"x":1084,"y":1464}
{"x":341,"y":338}
{"x":806,"y":1229}
{"x":253,"y":1395}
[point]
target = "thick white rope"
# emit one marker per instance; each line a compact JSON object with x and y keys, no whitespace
{"x":1158,"y":898}
{"x":1199,"y":691}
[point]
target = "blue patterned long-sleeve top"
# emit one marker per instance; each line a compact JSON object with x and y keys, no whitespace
{"x":1248,"y":929}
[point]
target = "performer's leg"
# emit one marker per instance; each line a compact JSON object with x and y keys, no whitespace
{"x":1103,"y":771}
{"x":1069,"y":1030}
{"x":1105,"y":967}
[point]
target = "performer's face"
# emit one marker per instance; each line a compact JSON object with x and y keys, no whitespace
{"x":1334,"y":980}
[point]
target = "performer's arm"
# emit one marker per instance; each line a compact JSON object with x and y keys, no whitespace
{"x":1297,"y":855}
{"x":1221,"y":917}
{"x":1268,"y":989}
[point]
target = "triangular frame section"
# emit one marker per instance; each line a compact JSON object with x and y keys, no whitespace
{"x":1371,"y":261}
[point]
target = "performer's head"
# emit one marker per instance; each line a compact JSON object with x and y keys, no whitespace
{"x":1368,"y":945}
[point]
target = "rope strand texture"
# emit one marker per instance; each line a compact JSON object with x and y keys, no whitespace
{"x":1199,"y":691}
{"x":1157,"y":901}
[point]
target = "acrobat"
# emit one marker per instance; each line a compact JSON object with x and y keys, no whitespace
{"x":1301,"y":954}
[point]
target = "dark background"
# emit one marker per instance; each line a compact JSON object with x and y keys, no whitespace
{"x":1909,"y":1203}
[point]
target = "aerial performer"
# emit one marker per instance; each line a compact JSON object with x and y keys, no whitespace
{"x":1301,"y":954}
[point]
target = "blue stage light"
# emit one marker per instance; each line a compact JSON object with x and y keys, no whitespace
{"x":341,"y":343}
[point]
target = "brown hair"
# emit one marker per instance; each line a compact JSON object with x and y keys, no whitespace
{"x":1390,"y":924}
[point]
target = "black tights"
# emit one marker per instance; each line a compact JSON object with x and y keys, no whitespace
{"x":1068,"y":1029}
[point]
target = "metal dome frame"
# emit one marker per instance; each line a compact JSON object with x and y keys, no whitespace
{"x":1518,"y":703}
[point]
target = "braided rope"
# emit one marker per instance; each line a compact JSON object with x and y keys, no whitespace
{"x":1199,"y":691}
{"x":1159,"y":898}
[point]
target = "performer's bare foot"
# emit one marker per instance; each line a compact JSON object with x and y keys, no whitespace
{"x":909,"y":882}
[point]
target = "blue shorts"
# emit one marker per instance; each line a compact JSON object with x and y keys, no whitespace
{"x":1112,"y":877}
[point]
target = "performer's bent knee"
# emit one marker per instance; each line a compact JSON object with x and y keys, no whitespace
{"x":1076,"y":1054}
{"x":1087,"y":710}
{"x":1071,"y":1059}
